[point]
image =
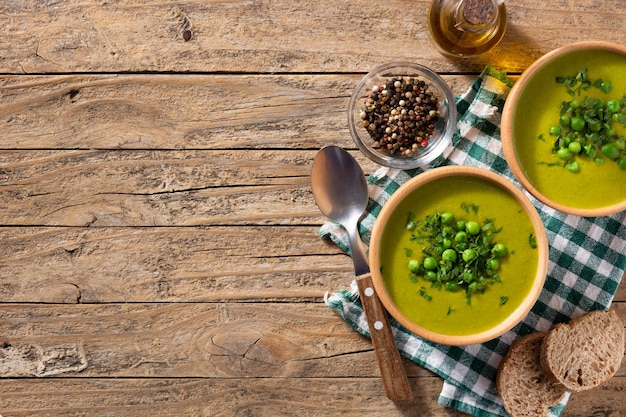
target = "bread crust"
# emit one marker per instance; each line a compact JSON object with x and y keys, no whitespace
{"x":586,"y":352}
{"x":525,"y":390}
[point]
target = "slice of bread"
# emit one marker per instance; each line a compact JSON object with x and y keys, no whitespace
{"x":525,"y":390}
{"x":586,"y":352}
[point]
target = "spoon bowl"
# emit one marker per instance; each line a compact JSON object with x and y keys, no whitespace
{"x":339,"y":186}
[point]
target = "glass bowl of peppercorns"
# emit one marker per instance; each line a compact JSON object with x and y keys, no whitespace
{"x":402,"y":115}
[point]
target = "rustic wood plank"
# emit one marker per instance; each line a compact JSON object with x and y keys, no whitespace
{"x":320,"y":397}
{"x":157,"y":111}
{"x":267,"y":36}
{"x":271,"y":397}
{"x":145,"y":188}
{"x":152,"y":188}
{"x":175,"y":264}
{"x":174,"y":111}
{"x":216,"y":340}
{"x":245,"y":396}
{"x":191,"y":359}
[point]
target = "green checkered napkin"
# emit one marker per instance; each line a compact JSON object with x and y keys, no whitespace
{"x":586,"y":262}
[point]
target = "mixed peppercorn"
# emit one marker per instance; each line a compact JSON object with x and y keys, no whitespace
{"x":400,"y":115}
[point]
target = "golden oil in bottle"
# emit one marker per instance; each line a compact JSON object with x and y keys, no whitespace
{"x":465,"y":28}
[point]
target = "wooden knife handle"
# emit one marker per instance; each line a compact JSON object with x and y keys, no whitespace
{"x":395,"y":380}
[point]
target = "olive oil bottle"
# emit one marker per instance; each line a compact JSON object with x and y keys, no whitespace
{"x":465,"y":28}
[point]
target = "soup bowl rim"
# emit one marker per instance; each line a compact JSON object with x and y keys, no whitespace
{"x":507,"y":126}
{"x":413,"y":185}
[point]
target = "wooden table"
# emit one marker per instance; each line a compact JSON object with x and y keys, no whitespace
{"x":157,"y":228}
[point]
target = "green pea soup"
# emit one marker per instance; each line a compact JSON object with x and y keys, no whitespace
{"x":449,"y":312}
{"x":538,"y":108}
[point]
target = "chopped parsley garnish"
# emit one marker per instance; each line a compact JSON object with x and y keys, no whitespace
{"x":574,"y":84}
{"x":532,"y":241}
{"x":586,"y":127}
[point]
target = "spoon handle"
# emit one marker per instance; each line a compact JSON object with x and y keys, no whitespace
{"x":395,"y":380}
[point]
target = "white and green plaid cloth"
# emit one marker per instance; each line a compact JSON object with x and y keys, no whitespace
{"x":587,"y":261}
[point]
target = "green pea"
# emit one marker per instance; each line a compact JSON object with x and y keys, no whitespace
{"x":430,"y":263}
{"x":460,"y":225}
{"x":493,"y":264}
{"x":573,"y":167}
{"x":499,"y":250}
{"x":446,"y":243}
{"x":565,"y":120}
{"x":449,"y":255}
{"x":613,"y":106}
{"x":564,"y":153}
{"x":452,"y":286}
{"x":414,"y":265}
{"x":622,"y":164}
{"x":606,"y":86}
{"x":469,"y":254}
{"x":555,"y":130}
{"x":609,"y":131}
{"x":430,"y":276}
{"x":447,"y":218}
{"x":460,"y":237}
{"x":594,"y":125}
{"x":473,"y":228}
{"x":610,"y":150}
{"x":577,"y":123}
{"x":574,"y":104}
{"x":574,"y":147}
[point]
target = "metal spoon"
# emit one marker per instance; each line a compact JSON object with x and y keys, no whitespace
{"x":340,"y":191}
